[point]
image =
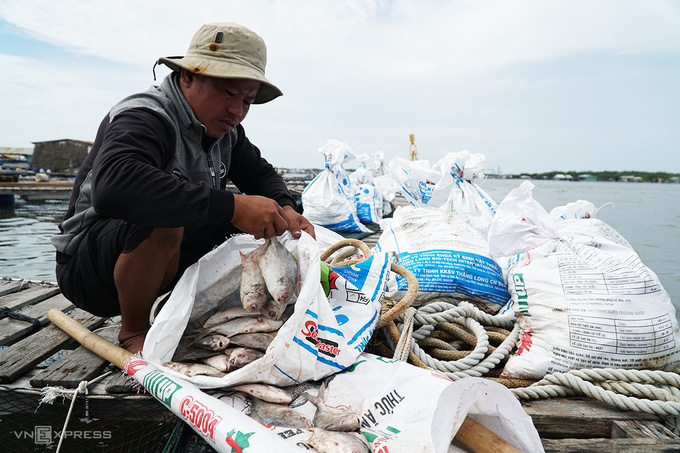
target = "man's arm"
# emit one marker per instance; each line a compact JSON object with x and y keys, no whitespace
{"x":253,"y":175}
{"x":128,"y":182}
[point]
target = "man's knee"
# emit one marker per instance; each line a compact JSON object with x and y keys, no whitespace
{"x":168,"y":238}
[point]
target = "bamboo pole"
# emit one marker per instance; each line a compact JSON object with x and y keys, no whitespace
{"x":103,"y":348}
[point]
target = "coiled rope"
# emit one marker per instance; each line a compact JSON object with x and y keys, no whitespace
{"x":481,"y":360}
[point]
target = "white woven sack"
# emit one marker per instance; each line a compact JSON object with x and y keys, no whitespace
{"x":582,"y":297}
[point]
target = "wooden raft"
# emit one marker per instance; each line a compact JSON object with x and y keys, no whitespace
{"x":27,"y":339}
{"x":564,"y":424}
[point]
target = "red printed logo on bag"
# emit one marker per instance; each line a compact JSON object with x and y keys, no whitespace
{"x":202,"y":418}
{"x":311,"y":333}
{"x":133,"y":365}
{"x":526,"y":342}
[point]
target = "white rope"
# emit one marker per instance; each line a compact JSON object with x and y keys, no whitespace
{"x":401,"y":351}
{"x":49,"y":394}
{"x":435,"y":312}
{"x":648,"y":391}
{"x":477,"y":363}
{"x":82,"y":387}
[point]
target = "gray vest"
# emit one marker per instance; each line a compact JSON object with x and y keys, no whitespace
{"x":189,"y":161}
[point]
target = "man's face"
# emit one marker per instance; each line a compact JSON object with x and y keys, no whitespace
{"x":220,"y":104}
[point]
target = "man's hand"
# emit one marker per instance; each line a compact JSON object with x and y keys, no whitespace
{"x":297,"y":223}
{"x":260,"y":216}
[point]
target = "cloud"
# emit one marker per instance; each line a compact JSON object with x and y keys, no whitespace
{"x":523,"y":82}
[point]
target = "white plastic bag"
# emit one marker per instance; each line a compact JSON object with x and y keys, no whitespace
{"x":329,"y":200}
{"x":579,"y":209}
{"x":446,"y":255}
{"x":379,"y":163}
{"x":415,"y":179}
{"x":467,"y":201}
{"x":402,"y":408}
{"x":325,"y":333}
{"x":368,"y":198}
{"x":582,"y":297}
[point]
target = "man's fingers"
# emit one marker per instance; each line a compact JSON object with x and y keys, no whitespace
{"x":309,"y":229}
{"x":264,"y":218}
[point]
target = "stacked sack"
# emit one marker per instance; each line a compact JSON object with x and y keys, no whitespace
{"x":446,"y":249}
{"x":330,"y":199}
{"x":368,"y":198}
{"x":581,"y":295}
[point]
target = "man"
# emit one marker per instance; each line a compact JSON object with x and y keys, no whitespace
{"x":149,"y":200}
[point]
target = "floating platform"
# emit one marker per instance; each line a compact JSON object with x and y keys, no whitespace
{"x":36,"y":355}
{"x":37,"y":190}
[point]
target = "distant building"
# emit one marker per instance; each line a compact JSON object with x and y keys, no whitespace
{"x":14,"y":161}
{"x":60,"y":155}
{"x":587,"y":177}
{"x":16,"y":153}
{"x":630,"y":178}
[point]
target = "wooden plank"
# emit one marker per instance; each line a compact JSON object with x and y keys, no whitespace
{"x":80,"y":365}
{"x":121,"y":383}
{"x":371,"y":240}
{"x":641,"y":429}
{"x":11,"y":287}
{"x":18,"y":359}
{"x":577,"y":417}
{"x":12,"y":329}
{"x":28,"y":296}
{"x":610,"y":445}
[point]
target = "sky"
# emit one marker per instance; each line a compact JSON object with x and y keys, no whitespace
{"x":534,"y":86}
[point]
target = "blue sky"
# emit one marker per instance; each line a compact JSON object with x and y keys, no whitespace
{"x":533,"y":85}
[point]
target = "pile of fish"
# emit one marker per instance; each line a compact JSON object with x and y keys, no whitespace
{"x":333,"y":429}
{"x":237,"y":336}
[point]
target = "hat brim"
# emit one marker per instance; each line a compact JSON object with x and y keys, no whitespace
{"x":224,"y":70}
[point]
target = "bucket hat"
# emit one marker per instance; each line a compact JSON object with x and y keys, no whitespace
{"x":227,"y":50}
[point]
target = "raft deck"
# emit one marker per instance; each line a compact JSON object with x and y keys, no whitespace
{"x":30,"y":345}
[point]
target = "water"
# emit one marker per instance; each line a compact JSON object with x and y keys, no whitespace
{"x":647,"y":215}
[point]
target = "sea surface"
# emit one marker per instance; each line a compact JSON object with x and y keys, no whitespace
{"x":647,"y":215}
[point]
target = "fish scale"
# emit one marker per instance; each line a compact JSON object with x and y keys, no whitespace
{"x":280,"y":273}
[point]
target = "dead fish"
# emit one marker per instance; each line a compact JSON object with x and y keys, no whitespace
{"x":265,"y":392}
{"x":218,"y":361}
{"x":253,"y":289}
{"x":185,"y":351}
{"x":191,"y":353}
{"x":280,"y":271}
{"x":193,"y":369}
{"x":277,"y":415}
{"x":336,"y":442}
{"x":259,"y":340}
{"x":232,"y":358}
{"x":242,"y":325}
{"x":214,"y":342}
{"x":332,"y":418}
{"x":273,"y":309}
{"x":227,"y":315}
{"x":241,"y":357}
